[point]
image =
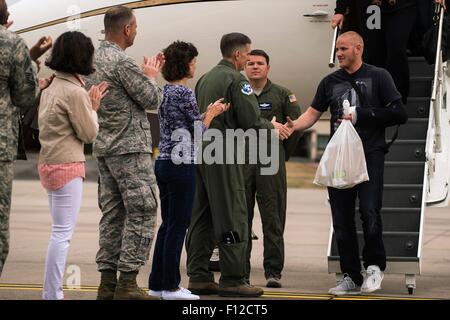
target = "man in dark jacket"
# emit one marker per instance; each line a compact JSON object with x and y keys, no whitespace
{"x":376,"y":106}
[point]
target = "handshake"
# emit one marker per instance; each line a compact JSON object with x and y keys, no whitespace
{"x":283,"y":131}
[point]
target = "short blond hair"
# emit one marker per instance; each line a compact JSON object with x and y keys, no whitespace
{"x":354,"y":38}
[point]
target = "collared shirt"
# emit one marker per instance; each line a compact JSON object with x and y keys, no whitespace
{"x":124,"y":126}
{"x":279,"y":102}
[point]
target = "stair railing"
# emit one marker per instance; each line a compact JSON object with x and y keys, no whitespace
{"x":437,"y":165}
{"x":436,"y":100}
{"x":332,"y":63}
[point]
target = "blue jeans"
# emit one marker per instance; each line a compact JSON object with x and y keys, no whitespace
{"x":176,"y":191}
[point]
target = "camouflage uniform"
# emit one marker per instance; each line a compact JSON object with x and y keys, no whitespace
{"x":18,"y":89}
{"x":127,"y":194}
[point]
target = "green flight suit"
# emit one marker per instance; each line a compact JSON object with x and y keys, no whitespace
{"x":271,"y":190}
{"x":220,"y":206}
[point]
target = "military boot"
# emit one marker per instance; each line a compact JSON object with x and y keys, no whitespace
{"x":107,"y":286}
{"x":127,"y":288}
{"x":244,"y":290}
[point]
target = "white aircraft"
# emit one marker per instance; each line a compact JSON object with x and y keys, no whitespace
{"x":297,"y":36}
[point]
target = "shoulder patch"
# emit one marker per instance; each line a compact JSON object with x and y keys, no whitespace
{"x":292,"y":98}
{"x":246,"y":89}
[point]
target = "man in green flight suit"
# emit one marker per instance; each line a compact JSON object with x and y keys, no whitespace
{"x":220,"y":216}
{"x":275,"y":102}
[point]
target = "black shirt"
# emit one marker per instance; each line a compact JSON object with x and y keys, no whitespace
{"x":379,"y":90}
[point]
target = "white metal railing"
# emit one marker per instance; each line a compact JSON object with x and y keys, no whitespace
{"x":437,"y":149}
{"x":436,"y":100}
{"x":332,"y":64}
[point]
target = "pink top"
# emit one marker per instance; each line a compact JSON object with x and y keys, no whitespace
{"x":56,"y":176}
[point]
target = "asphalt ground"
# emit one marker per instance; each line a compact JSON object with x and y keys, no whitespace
{"x":305,"y":276}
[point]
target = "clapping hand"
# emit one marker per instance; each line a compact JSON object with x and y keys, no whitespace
{"x":152,"y":66}
{"x":40,"y":48}
{"x":45,"y":82}
{"x":8,"y":24}
{"x":217,"y":108}
{"x":96,"y":93}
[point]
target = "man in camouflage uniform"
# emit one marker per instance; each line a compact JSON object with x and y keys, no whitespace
{"x":127,"y":187}
{"x":270,"y":190}
{"x":18,"y":89}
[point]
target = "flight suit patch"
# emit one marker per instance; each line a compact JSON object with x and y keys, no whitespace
{"x":265,"y":106}
{"x":292,"y":98}
{"x":247,"y":89}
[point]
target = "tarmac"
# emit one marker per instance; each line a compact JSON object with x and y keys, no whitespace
{"x":305,"y":276}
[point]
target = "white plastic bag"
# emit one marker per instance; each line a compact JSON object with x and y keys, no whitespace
{"x":343,"y":164}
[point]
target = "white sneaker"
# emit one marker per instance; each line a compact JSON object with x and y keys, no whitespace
{"x":179,"y":295}
{"x":346,"y":286}
{"x":372,"y":281}
{"x":155,"y":293}
{"x":185,"y":290}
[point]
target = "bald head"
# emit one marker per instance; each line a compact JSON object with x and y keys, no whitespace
{"x":349,"y":50}
{"x":4,"y":14}
{"x":353,"y":38}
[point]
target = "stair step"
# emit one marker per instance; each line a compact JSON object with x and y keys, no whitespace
{"x":397,"y":244}
{"x":420,"y":86}
{"x":407,"y":150}
{"x":419,"y":67}
{"x":403,"y":172}
{"x":414,"y":129}
{"x":402,"y":196}
{"x":396,"y":219}
{"x":418,"y":107}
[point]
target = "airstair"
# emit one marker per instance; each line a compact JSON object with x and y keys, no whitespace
{"x":416,"y":173}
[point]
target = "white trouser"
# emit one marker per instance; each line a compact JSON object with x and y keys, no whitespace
{"x":64,"y":206}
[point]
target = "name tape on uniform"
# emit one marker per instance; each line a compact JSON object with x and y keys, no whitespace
{"x":267,"y":106}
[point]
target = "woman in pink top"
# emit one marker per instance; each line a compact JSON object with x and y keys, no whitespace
{"x":67,"y":120}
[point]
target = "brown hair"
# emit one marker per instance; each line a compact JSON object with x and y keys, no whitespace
{"x":231,"y":42}
{"x":4,"y":14}
{"x":116,"y":18}
{"x":72,"y":52}
{"x":178,"y":56}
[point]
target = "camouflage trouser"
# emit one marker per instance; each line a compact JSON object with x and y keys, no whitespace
{"x":127,"y":198}
{"x":6,"y":177}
